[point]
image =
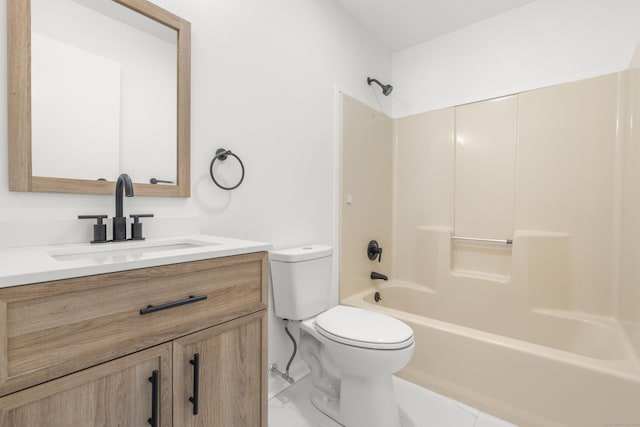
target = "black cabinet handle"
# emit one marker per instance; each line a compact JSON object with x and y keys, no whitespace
{"x":196,"y":381}
{"x":154,"y":308}
{"x":155,"y":380}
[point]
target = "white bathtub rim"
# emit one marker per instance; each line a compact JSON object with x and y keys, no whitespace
{"x":627,"y":368}
{"x":610,"y":323}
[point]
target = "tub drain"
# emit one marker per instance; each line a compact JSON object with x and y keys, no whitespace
{"x":377,"y":297}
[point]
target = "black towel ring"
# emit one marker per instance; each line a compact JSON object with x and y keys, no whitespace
{"x":222,"y":154}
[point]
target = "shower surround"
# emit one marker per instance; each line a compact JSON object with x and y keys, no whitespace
{"x":541,"y":332}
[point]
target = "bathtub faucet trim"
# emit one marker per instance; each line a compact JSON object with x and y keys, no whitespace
{"x":376,"y":276}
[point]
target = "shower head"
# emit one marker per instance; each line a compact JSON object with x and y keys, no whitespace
{"x":386,"y":89}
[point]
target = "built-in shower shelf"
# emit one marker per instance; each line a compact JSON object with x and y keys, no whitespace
{"x":490,"y":261}
{"x":499,"y":278}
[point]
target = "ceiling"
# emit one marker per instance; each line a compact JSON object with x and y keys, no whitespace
{"x":402,"y":23}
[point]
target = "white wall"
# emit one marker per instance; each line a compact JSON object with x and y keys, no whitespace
{"x":264,"y":76}
{"x":541,"y":44}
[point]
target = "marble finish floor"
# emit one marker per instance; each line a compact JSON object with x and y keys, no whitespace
{"x":418,"y":406}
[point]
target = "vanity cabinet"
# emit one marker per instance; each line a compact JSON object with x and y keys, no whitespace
{"x":117,"y":393}
{"x":81,"y":351}
{"x":228,"y":376}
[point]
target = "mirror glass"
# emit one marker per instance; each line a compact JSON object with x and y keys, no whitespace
{"x":104,"y":89}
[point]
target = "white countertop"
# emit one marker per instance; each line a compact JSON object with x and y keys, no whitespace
{"x":20,"y":266}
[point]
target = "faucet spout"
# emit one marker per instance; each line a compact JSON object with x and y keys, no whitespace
{"x":124,"y":184}
{"x":376,"y":276}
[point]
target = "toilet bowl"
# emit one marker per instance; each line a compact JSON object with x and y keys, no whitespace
{"x":357,"y":360}
{"x":352,"y":352}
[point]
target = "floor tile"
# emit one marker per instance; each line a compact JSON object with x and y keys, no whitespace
{"x":418,"y":407}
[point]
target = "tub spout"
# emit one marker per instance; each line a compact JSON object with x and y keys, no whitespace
{"x":375,"y":276}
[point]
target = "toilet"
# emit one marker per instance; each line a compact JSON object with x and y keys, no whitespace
{"x":352,"y":352}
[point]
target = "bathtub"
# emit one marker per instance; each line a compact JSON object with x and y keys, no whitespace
{"x":533,"y":367}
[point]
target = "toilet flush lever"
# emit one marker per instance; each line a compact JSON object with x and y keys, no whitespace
{"x":374,"y":250}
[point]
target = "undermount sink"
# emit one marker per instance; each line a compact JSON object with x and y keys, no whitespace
{"x":130,"y":249}
{"x":36,"y":264}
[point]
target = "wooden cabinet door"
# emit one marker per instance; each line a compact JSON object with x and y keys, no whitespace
{"x":231,"y":382}
{"x":117,"y":393}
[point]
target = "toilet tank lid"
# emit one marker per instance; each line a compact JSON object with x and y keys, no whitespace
{"x":302,"y":253}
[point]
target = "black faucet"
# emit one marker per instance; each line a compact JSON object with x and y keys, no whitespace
{"x":374,"y":251}
{"x":375,"y":276}
{"x":120,"y":221}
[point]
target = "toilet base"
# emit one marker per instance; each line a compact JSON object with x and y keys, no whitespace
{"x":368,"y":402}
{"x":352,"y":385}
{"x":363,"y":402}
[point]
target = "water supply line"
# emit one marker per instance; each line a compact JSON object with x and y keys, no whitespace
{"x":273,"y":368}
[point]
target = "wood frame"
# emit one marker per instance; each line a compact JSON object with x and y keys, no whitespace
{"x":19,"y":102}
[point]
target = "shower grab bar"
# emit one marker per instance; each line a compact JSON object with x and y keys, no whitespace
{"x":477,"y":239}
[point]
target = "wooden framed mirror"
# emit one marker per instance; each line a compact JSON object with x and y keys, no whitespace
{"x":36,"y":164}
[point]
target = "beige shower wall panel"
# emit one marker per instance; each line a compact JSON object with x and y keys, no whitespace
{"x":365,"y":200}
{"x":484,"y":185}
{"x":565,"y":179}
{"x":423,"y":188}
{"x":629,"y":297}
{"x":484,"y":168}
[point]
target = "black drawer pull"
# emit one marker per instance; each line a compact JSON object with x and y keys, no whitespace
{"x":154,"y":308}
{"x":196,"y":382}
{"x":154,"y":379}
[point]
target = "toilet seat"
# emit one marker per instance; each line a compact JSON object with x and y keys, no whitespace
{"x":363,"y":328}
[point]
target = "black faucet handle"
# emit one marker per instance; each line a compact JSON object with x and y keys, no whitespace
{"x":98,"y":217}
{"x":99,"y":229}
{"x":374,"y":250}
{"x":136,"y":225}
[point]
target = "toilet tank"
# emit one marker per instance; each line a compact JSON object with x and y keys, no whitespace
{"x":301,"y":281}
